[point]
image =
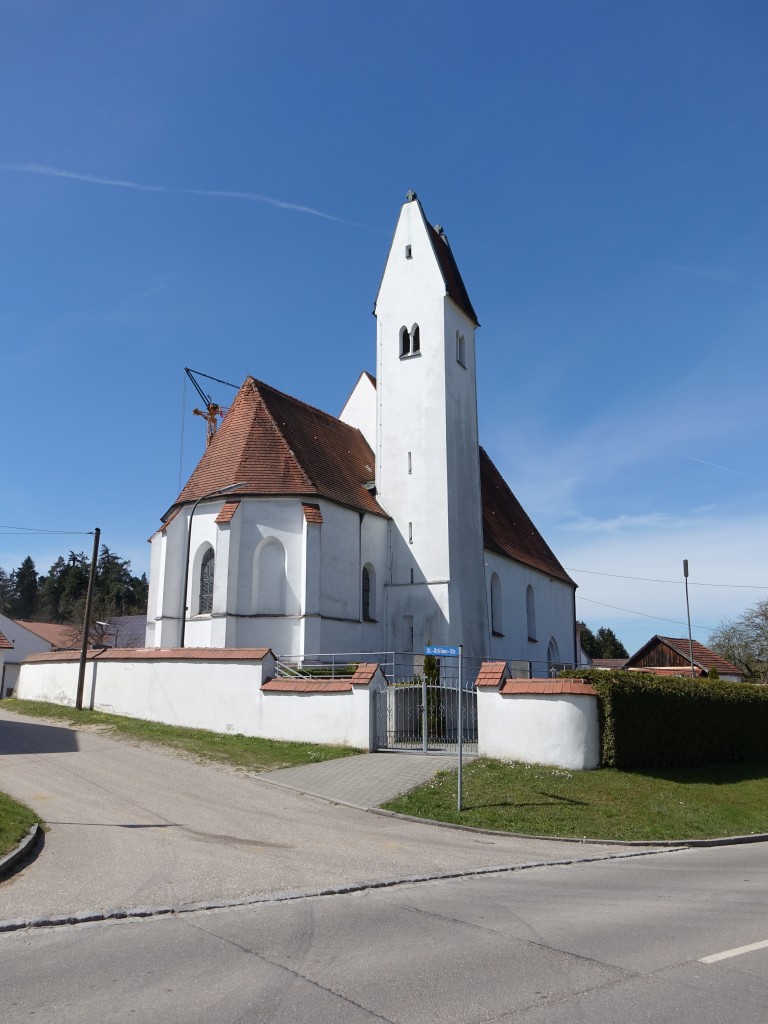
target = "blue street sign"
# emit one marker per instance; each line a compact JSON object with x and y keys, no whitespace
{"x":442,"y":652}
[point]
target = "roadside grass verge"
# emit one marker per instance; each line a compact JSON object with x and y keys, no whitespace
{"x":15,"y":821}
{"x":675,"y":803}
{"x":248,"y":752}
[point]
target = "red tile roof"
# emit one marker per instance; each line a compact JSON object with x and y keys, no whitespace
{"x":307,"y":686}
{"x":277,"y":445}
{"x":702,"y":656}
{"x":228,"y":510}
{"x":58,"y":636}
{"x":312,"y":513}
{"x":454,"y":285}
{"x":507,"y":528}
{"x":365,"y":674}
{"x":492,"y":673}
{"x":608,"y":662}
{"x":554,"y":687}
{"x":5,"y":643}
{"x":159,"y":654}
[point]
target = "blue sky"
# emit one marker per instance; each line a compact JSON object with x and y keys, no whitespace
{"x":214,"y":185}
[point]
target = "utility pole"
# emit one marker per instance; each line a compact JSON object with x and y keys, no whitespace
{"x":87,"y":620}
{"x":688,"y":609}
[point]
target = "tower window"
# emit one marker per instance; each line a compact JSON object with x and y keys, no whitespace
{"x":410,"y":464}
{"x":410,"y":341}
{"x":461,"y":349}
{"x":408,"y":254}
{"x":410,"y":533}
{"x":405,"y":342}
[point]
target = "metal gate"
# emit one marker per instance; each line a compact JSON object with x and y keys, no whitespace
{"x":423,"y":716}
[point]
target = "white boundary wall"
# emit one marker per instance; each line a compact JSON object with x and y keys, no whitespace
{"x":203,"y":690}
{"x":539,"y":728}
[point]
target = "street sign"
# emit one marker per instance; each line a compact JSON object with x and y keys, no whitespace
{"x":442,"y":652}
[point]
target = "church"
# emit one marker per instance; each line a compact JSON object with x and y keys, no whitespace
{"x":384,"y":529}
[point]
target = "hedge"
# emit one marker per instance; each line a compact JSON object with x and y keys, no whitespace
{"x":649,"y":721}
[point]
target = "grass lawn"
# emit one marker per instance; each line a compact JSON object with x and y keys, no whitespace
{"x":681,"y":803}
{"x":248,"y":752}
{"x":15,"y":821}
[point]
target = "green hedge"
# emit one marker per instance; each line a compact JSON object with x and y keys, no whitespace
{"x":649,"y":721}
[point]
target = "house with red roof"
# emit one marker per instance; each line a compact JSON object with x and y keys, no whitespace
{"x":23,"y":638}
{"x":667,"y":655}
{"x":386,"y":528}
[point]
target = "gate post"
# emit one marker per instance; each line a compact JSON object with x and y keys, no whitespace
{"x":424,"y":723}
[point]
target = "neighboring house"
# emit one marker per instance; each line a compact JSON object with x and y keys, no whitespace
{"x":668,"y":655}
{"x":385,"y":529}
{"x":609,"y":663}
{"x":28,"y":638}
{"x":5,"y":645}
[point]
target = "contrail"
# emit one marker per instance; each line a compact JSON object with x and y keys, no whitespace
{"x":725,"y":469}
{"x":250,"y":197}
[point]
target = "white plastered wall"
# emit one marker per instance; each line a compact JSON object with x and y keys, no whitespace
{"x":223,"y":696}
{"x":554,"y":613}
{"x":556,"y":729}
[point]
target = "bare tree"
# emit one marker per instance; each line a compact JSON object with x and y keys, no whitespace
{"x":744,"y":642}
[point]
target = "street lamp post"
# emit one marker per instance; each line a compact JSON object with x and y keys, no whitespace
{"x":204,"y":497}
{"x":688,"y":609}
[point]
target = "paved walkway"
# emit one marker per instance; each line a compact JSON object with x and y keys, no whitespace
{"x":366,"y":780}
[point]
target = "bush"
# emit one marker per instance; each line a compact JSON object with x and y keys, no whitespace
{"x":649,"y":721}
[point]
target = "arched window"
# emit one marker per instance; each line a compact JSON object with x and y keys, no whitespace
{"x":369,"y":593}
{"x":553,"y":655}
{"x":207,"y":567}
{"x":496,"y":619}
{"x":530,"y":611}
{"x":405,"y":342}
{"x":415,"y":339}
{"x":271,"y":582}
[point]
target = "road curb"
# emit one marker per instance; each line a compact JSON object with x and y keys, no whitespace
{"x":10,"y":860}
{"x":662,"y":844}
{"x":136,"y":913}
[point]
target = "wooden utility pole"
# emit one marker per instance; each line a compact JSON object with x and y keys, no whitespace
{"x":87,"y":620}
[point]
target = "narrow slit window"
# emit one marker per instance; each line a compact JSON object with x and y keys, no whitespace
{"x":410,"y":464}
{"x":415,"y":339}
{"x":405,"y":342}
{"x":408,"y":253}
{"x":410,"y":533}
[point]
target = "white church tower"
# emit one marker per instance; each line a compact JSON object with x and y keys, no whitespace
{"x":427,"y":454}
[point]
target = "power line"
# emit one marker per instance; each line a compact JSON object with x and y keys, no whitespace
{"x":647,"y":579}
{"x":645,"y":614}
{"x":29,"y":530}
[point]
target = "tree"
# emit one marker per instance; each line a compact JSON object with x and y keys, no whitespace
{"x":25,"y":590}
{"x":603,"y":644}
{"x":610,"y":645}
{"x":744,"y":642}
{"x":6,"y":592}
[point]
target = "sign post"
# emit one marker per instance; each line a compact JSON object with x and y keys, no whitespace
{"x":461,"y":716}
{"x":449,"y":652}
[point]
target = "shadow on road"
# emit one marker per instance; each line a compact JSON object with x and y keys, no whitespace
{"x":24,"y":738}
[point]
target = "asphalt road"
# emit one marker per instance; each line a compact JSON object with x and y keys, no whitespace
{"x":619,"y":938}
{"x":134,"y":826}
{"x":616,"y":941}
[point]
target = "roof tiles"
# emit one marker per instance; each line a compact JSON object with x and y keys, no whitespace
{"x":276,"y":445}
{"x":552,"y":687}
{"x":507,"y":528}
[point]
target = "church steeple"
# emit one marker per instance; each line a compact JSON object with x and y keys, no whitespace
{"x":427,"y":461}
